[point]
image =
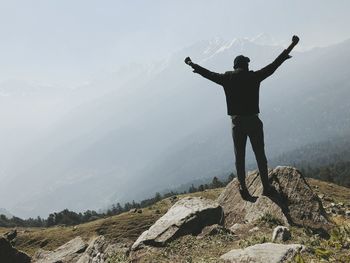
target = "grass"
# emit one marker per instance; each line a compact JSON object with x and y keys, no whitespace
{"x":269,"y":220}
{"x":190,"y":249}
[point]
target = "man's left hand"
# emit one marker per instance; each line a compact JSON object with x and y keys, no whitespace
{"x":295,"y":39}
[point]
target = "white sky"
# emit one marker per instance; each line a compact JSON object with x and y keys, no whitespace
{"x":71,"y":41}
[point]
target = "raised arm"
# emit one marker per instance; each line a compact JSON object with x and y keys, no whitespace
{"x":271,"y":68}
{"x":213,"y":76}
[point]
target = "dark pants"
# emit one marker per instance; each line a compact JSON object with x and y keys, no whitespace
{"x":252,"y":127}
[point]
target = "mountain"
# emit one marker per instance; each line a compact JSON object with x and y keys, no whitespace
{"x":127,"y":136}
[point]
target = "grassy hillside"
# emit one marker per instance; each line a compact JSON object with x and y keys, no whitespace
{"x":126,"y":227}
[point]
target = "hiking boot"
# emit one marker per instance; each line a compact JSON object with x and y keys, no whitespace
{"x":244,"y":192}
{"x":246,"y":195}
{"x":269,"y":190}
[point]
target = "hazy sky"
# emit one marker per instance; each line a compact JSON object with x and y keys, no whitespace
{"x":71,"y":41}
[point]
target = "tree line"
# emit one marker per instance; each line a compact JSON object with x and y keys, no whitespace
{"x":70,"y":218}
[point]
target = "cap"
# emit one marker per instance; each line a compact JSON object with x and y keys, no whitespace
{"x":239,"y":60}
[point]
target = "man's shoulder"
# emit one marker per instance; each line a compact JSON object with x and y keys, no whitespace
{"x":239,"y":72}
{"x":229,"y":72}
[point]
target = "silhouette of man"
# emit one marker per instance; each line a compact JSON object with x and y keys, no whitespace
{"x":242,"y":88}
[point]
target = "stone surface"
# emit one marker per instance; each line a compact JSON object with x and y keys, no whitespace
{"x":294,"y":203}
{"x":69,"y":252}
{"x":280,"y":234}
{"x":9,"y":254}
{"x":236,"y":227}
{"x":187,"y":216}
{"x":99,"y":250}
{"x":76,"y":250}
{"x":263,"y":253}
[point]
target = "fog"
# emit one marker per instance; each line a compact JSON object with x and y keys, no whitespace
{"x":97,"y":106}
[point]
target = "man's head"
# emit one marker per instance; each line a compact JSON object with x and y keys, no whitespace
{"x":241,"y":62}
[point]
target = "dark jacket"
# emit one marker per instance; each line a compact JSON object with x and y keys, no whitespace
{"x":242,"y":86}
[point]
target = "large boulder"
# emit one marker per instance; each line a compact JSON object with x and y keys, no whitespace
{"x":262,"y":253}
{"x":99,"y":250}
{"x":77,"y":250}
{"x":294,"y":203}
{"x":69,"y":252}
{"x":187,"y":216}
{"x":9,"y":254}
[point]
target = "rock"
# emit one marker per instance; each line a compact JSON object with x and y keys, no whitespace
{"x":11,"y":235}
{"x":133,"y":210}
{"x":236,"y":227}
{"x":280,"y":234}
{"x":187,"y":216}
{"x":214,"y":230}
{"x":254,"y":229}
{"x":262,"y":253}
{"x":139,"y":211}
{"x":10,"y":254}
{"x":329,"y":199}
{"x":321,"y":196}
{"x":69,"y":252}
{"x":293,"y":204}
{"x":99,"y":250}
{"x":347,"y":213}
{"x":76,"y":250}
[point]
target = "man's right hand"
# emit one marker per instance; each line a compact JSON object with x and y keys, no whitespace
{"x":188,"y":61}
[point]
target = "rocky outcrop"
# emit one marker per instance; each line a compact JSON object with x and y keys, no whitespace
{"x":77,"y":250}
{"x":100,"y":250}
{"x":69,"y":252}
{"x":294,"y":202}
{"x":187,"y":216}
{"x":262,"y":253}
{"x":9,"y":254}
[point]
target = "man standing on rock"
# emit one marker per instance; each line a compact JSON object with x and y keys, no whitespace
{"x":242,"y":88}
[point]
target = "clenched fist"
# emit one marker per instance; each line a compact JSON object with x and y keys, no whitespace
{"x":295,"y":39}
{"x":188,"y":61}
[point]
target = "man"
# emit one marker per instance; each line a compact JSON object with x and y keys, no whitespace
{"x":242,"y":88}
